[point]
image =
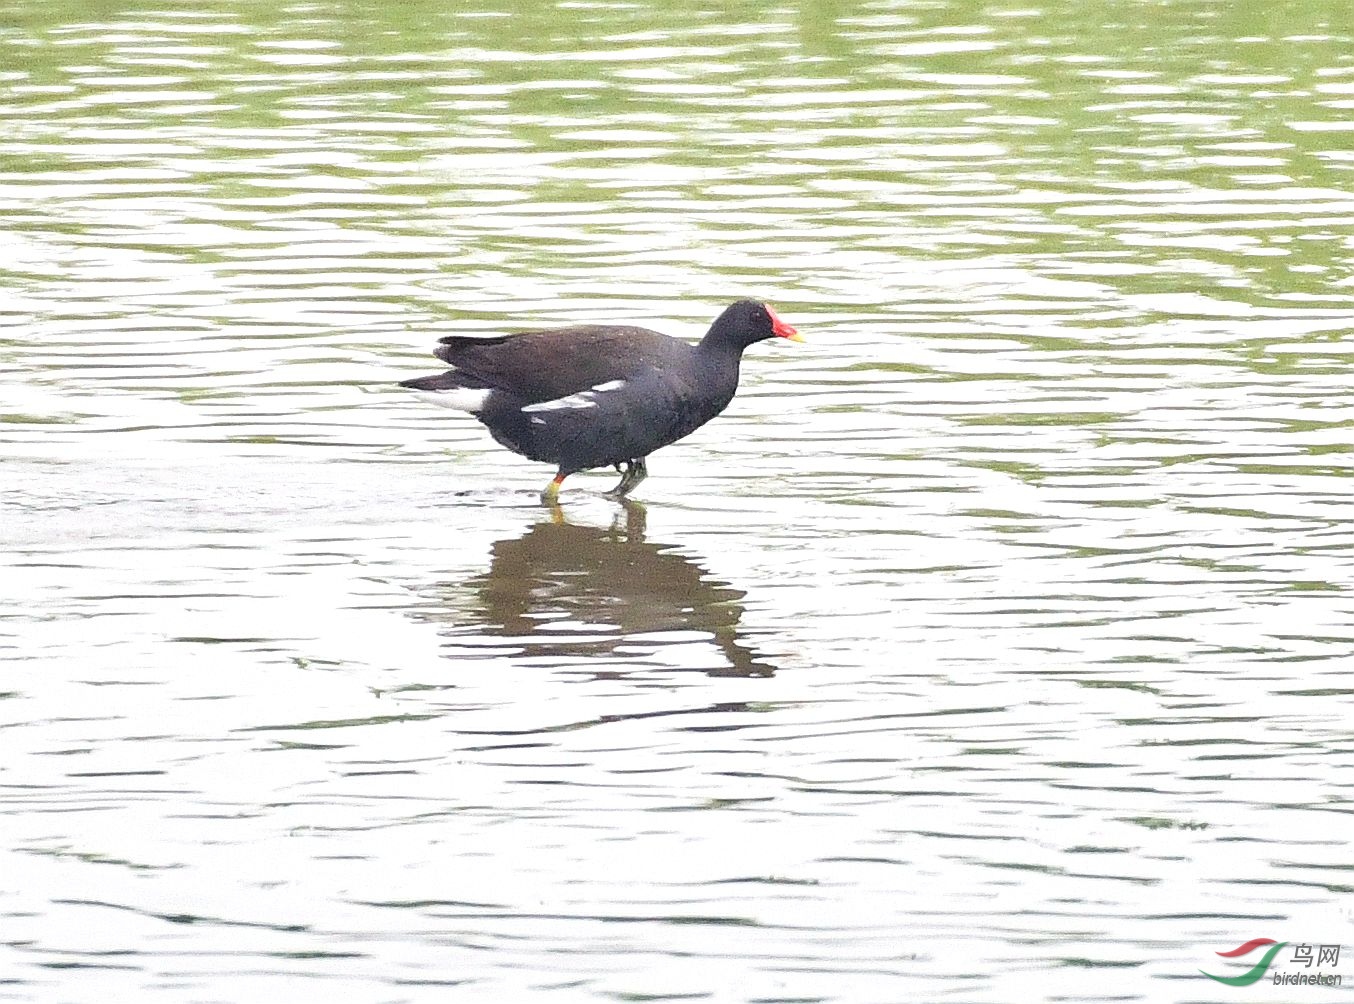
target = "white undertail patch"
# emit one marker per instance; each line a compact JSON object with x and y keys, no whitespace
{"x":469,"y":399}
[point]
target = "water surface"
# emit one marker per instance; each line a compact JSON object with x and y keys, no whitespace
{"x":993,"y":646}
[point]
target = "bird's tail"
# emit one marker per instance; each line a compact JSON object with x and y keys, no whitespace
{"x":452,"y":348}
{"x":450,"y":380}
{"x":452,"y":389}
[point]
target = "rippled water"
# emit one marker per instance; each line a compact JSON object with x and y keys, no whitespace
{"x":993,"y":646}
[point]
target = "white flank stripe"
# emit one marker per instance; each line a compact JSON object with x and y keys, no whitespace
{"x":582,"y":400}
{"x":609,"y":385}
{"x":460,"y":398}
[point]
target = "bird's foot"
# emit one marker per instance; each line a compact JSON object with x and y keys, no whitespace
{"x":632,"y":473}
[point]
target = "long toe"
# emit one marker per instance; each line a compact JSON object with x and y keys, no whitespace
{"x":624,"y":484}
{"x":634,"y":473}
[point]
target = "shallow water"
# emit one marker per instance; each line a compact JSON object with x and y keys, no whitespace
{"x":993,"y":646}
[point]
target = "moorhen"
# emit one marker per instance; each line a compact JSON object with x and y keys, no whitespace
{"x":597,"y":395}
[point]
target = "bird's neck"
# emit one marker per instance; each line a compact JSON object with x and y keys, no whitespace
{"x":714,"y":346}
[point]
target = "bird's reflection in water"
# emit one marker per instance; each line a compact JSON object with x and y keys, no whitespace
{"x":565,"y":589}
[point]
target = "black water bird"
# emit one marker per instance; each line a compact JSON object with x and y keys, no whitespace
{"x":597,"y":395}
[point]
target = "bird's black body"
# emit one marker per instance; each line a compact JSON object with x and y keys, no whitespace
{"x":597,"y":395}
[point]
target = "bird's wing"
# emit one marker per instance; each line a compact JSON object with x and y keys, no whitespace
{"x":548,"y":365}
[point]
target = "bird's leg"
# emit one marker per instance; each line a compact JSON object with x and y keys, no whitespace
{"x":638,"y":472}
{"x":551,"y":493}
{"x":622,"y":486}
{"x":631,"y":475}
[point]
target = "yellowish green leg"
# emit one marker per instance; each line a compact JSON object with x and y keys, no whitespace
{"x":551,"y":493}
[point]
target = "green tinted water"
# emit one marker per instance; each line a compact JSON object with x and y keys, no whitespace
{"x":992,"y":645}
